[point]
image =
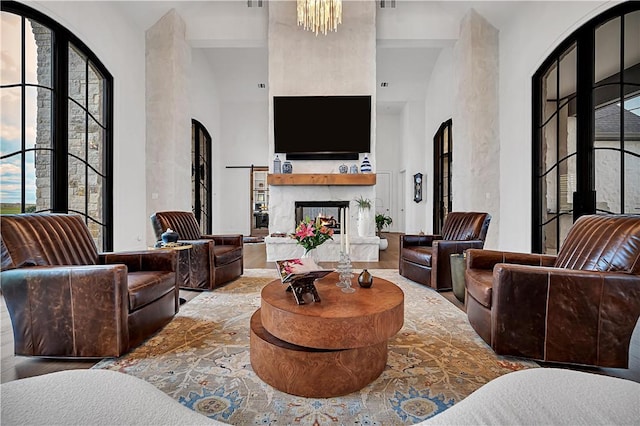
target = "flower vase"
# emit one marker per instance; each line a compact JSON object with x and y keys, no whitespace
{"x":311,"y":254}
{"x":363,"y":222}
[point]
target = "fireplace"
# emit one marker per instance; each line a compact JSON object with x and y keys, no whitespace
{"x":289,"y":204}
{"x":327,"y":211}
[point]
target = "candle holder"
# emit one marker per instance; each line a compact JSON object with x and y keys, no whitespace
{"x":345,"y":273}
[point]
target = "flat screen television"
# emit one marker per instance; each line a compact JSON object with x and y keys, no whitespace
{"x":322,"y":127}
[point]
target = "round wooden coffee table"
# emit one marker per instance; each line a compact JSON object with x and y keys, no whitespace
{"x":325,"y":349}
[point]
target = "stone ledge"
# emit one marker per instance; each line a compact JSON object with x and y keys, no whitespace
{"x":363,"y":249}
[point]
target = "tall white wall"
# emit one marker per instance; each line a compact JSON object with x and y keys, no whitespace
{"x":243,"y":142}
{"x":168,"y":147}
{"x":205,"y":107}
{"x":120,"y":46}
{"x":438,"y":109}
{"x":415,"y":146}
{"x":388,"y":155}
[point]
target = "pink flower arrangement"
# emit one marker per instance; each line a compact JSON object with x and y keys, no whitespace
{"x":310,"y":234}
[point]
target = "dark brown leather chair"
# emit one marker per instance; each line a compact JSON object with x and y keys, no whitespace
{"x":67,"y":300}
{"x":578,"y":307}
{"x":213,"y":259}
{"x":426,"y":258}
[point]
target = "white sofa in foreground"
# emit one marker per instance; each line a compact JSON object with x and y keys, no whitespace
{"x":539,"y":396}
{"x":547,"y":396}
{"x":91,"y":397}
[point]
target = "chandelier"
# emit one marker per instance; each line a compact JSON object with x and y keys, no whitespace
{"x":319,"y":15}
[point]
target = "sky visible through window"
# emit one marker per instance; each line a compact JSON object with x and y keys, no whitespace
{"x":10,"y":106}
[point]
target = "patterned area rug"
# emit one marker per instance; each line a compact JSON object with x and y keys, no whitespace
{"x":202,"y":360}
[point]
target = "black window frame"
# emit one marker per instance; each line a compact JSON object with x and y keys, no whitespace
{"x":62,"y":40}
{"x":442,"y":155}
{"x":200,"y":174}
{"x":584,"y":198}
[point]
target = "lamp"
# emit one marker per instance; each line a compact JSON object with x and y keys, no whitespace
{"x":319,"y":15}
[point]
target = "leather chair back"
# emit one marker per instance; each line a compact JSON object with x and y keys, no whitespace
{"x":42,"y":239}
{"x":184,"y":223}
{"x":602,"y":243}
{"x":465,"y":226}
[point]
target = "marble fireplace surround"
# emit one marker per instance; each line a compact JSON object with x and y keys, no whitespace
{"x":282,"y":199}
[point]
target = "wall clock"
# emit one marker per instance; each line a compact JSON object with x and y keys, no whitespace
{"x":417,"y":187}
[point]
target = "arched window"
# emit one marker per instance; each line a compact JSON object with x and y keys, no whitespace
{"x":586,"y":118}
{"x":201,"y":175}
{"x":56,"y":141}
{"x":442,"y":160}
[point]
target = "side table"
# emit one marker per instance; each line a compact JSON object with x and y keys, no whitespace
{"x":184,"y":259}
{"x":458,"y":266}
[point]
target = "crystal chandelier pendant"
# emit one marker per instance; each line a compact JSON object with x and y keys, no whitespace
{"x":319,"y":15}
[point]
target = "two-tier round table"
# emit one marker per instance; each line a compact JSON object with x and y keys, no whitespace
{"x":328,"y":348}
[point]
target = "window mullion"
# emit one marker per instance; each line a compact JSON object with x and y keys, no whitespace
{"x":60,"y":132}
{"x":557,"y":136}
{"x":86,"y":140}
{"x":585,"y":198}
{"x":23,"y":112}
{"x":622,"y":102}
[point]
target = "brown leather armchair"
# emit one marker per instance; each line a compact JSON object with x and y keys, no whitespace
{"x":67,"y":300}
{"x":213,"y":259}
{"x":579,"y":307}
{"x":426,"y":258}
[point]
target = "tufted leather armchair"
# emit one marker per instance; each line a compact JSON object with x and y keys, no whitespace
{"x":426,"y":259}
{"x":579,"y":307}
{"x":67,"y":300}
{"x":212,"y":261}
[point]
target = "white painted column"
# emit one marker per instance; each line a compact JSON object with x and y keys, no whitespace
{"x":168,"y":138}
{"x":476,"y":140}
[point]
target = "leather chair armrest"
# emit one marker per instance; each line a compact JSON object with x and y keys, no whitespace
{"x":564,"y":315}
{"x":61,"y":310}
{"x":409,"y":240}
{"x":227,"y":240}
{"x":487,"y":259}
{"x":145,"y":260}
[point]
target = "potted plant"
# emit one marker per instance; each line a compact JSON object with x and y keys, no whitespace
{"x":363,"y":203}
{"x":382,"y":221}
{"x":364,"y":206}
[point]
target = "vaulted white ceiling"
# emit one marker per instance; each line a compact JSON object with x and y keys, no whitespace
{"x":233,"y":37}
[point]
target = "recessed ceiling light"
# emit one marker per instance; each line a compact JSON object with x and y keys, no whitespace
{"x":384,"y":84}
{"x":261,"y":85}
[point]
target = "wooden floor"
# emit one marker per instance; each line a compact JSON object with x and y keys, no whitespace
{"x":16,"y":367}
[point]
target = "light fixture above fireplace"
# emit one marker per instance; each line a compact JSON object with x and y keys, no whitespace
{"x":319,"y":15}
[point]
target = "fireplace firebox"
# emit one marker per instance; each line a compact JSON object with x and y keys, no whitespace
{"x":327,"y":211}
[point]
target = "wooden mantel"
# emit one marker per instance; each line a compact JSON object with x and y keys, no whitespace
{"x":356,"y":179}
